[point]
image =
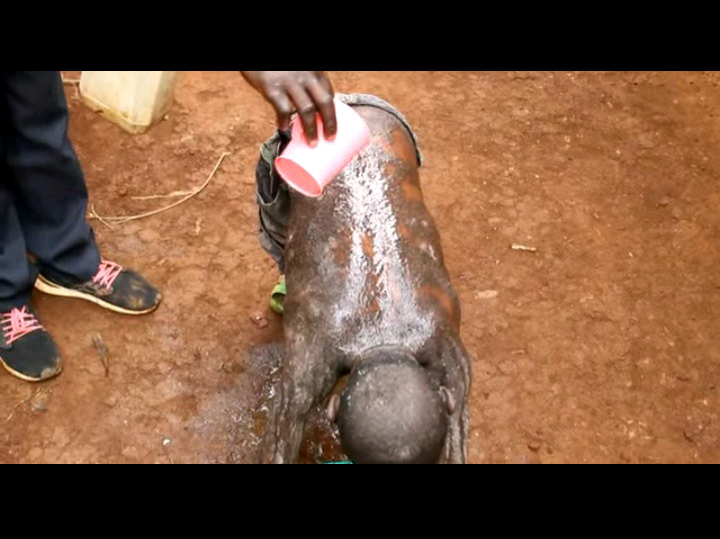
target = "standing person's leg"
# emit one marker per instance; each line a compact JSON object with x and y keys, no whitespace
{"x":16,"y":274}
{"x":51,"y":199}
{"x":26,"y":349}
{"x":46,"y":176}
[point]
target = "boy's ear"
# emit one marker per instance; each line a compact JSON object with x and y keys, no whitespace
{"x":333,"y":407}
{"x":449,"y":399}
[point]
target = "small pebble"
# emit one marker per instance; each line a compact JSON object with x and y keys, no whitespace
{"x":259,"y":319}
{"x":40,"y":402}
{"x":39,"y":406}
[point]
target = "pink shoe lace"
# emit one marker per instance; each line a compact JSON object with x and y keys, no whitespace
{"x":107,"y":273}
{"x":18,"y":323}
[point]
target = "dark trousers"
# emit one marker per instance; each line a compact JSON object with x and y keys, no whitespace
{"x":43,"y":197}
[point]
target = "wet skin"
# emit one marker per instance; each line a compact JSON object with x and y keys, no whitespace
{"x":364,"y":268}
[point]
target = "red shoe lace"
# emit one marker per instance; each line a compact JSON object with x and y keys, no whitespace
{"x":18,"y":323}
{"x":107,"y":273}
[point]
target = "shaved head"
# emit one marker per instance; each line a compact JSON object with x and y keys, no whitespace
{"x":391,"y":412}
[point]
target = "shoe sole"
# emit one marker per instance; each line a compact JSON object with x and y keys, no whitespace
{"x":25,"y":377}
{"x":47,"y":287}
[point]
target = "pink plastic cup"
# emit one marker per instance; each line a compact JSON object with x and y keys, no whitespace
{"x":308,"y":170}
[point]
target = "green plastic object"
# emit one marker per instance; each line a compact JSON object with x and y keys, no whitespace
{"x":277,"y":301}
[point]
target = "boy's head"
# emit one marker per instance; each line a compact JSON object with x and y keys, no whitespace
{"x":391,"y":411}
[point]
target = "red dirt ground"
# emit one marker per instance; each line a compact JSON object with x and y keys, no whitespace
{"x":601,"y":346}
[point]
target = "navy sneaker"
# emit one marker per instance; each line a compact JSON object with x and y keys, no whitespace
{"x":26,"y":349}
{"x":113,"y":287}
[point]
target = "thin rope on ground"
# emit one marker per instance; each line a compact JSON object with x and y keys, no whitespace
{"x":124,"y":219}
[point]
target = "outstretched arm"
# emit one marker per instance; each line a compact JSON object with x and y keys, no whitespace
{"x":307,"y":92}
